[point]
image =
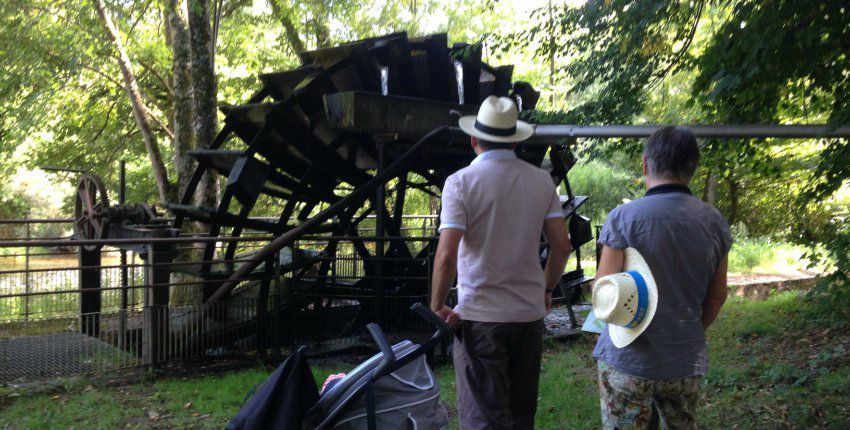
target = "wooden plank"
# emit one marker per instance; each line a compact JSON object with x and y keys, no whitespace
{"x":396,"y":56}
{"x":527,"y":95}
{"x":281,"y":84}
{"x":376,"y":114}
{"x":330,"y":55}
{"x":504,"y":76}
{"x":470,"y":59}
{"x":441,"y":74}
{"x":277,"y":184}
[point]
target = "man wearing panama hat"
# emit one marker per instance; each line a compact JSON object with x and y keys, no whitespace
{"x":493,"y":213}
{"x":660,"y":283}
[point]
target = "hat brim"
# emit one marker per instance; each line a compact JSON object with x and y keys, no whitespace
{"x":623,"y":336}
{"x":524,"y":130}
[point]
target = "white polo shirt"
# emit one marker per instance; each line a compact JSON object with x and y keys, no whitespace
{"x":501,"y":203}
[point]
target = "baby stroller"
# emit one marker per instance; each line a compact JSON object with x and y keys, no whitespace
{"x":394,"y":389}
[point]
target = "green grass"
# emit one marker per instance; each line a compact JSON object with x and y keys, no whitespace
{"x":765,"y":256}
{"x":772,"y":365}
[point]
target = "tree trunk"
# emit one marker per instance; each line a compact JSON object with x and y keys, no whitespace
{"x":323,"y":34}
{"x":292,"y":36}
{"x":290,"y":32}
{"x":205,"y":100}
{"x":733,"y":197}
{"x":709,"y":194}
{"x":551,"y":56}
{"x":166,"y":191}
{"x":320,"y":24}
{"x":178,"y":28}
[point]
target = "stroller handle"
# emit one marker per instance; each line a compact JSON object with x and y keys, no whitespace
{"x":443,"y":329}
{"x":389,"y":361}
{"x":381,"y":340}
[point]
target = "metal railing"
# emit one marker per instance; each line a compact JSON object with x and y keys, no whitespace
{"x":66,"y":311}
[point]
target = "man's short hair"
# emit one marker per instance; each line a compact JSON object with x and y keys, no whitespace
{"x":486,"y":145}
{"x":671,"y":153}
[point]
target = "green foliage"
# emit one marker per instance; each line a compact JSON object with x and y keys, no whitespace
{"x":749,"y":253}
{"x":12,"y":205}
{"x":834,"y":383}
{"x":745,"y":74}
{"x":607,"y":187}
{"x":760,"y":254}
{"x":62,"y":97}
{"x":833,"y":290}
{"x":611,"y":51}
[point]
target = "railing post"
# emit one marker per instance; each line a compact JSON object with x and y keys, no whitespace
{"x":379,"y":234}
{"x":157,"y":284}
{"x":27,"y":276}
{"x":276,"y":334}
{"x":262,"y":307}
{"x":90,"y":301}
{"x":122,"y":313}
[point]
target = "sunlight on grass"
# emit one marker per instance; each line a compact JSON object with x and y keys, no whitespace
{"x":765,"y":256}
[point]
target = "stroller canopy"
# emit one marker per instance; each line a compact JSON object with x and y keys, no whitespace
{"x":409,"y":395}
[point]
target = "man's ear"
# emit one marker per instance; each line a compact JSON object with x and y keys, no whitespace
{"x":473,"y":141}
{"x":644,"y":164}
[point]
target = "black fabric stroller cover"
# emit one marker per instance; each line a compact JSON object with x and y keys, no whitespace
{"x":394,"y":389}
{"x":283,"y":399}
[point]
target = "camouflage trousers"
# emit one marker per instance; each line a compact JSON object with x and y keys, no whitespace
{"x":627,"y":401}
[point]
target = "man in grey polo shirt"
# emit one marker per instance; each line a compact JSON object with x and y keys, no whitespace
{"x":493,"y":213}
{"x":685,"y":243}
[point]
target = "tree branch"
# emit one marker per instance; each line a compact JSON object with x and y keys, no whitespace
{"x":105,"y":121}
{"x":291,"y":33}
{"x":159,"y":78}
{"x":688,"y":41}
{"x":232,"y":6}
{"x":165,"y":188}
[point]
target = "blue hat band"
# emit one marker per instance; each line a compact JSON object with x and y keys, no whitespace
{"x":643,"y":299}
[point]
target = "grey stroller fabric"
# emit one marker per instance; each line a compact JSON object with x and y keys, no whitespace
{"x":408,"y":398}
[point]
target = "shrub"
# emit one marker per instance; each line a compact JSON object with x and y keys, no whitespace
{"x":606,"y":186}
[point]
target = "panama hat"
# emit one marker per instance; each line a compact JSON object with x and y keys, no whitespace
{"x":496,"y":122}
{"x":626,"y":301}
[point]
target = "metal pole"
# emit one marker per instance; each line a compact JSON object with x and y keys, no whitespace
{"x":783,"y":131}
{"x":27,"y":276}
{"x":379,"y":233}
{"x":122,"y":318}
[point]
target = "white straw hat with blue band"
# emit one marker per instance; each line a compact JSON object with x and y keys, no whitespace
{"x":626,"y":301}
{"x":496,"y":122}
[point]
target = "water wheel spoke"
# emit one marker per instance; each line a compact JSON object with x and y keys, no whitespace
{"x":90,"y":195}
{"x":83,"y":197}
{"x":98,"y":228}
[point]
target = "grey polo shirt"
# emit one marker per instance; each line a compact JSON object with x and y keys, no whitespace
{"x":683,"y":241}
